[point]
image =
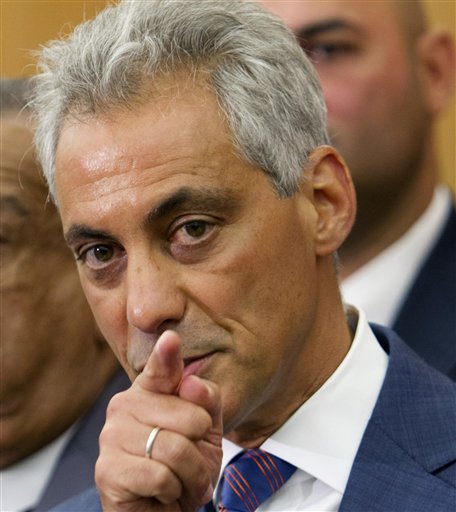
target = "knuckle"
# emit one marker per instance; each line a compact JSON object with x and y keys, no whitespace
{"x":195,"y":422}
{"x":178,"y":450}
{"x":202,"y":423}
{"x":167,"y":489}
{"x":182,"y":453}
{"x":109,"y":435}
{"x":161,"y":479}
{"x":103,"y":472}
{"x":117,"y":404}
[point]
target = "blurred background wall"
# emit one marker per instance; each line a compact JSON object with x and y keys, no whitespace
{"x":25,"y":24}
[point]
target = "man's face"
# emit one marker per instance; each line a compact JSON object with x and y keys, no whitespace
{"x":173,"y":230}
{"x":376,"y":112}
{"x":52,"y":367}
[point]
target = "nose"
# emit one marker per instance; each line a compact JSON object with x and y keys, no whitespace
{"x":155,"y":301}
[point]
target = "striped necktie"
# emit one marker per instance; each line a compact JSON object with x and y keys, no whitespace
{"x":250,"y":479}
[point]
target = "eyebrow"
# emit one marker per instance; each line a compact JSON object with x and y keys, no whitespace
{"x":79,"y":232}
{"x":315,"y":29}
{"x":14,"y":205}
{"x":183,"y":198}
{"x":201,"y":199}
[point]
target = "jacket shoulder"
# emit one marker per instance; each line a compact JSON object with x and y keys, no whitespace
{"x":407,"y":457}
{"x":427,"y":320}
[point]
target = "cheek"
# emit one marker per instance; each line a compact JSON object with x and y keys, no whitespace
{"x":20,"y":269}
{"x":109,"y":311}
{"x":356,"y":96}
{"x":349,"y":101}
{"x":231,"y":285}
{"x":26,"y":323}
{"x":257,"y":282}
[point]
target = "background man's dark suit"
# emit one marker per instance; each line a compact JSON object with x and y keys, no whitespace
{"x":407,"y":458}
{"x":427,"y":319}
{"x":74,"y":471}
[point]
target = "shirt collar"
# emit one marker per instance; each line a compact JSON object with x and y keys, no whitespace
{"x":380,"y":286}
{"x":322,"y":437}
{"x":24,"y":483}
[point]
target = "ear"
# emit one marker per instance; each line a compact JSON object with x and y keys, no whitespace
{"x":436,"y":53}
{"x":334,"y":199}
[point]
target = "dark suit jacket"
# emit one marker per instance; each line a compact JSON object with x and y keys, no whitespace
{"x":427,"y":318}
{"x":407,"y":458}
{"x":74,"y":471}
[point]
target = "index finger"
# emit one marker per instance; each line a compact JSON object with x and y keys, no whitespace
{"x":164,"y":368}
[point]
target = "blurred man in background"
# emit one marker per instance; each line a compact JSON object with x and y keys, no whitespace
{"x":57,"y":372}
{"x":386,"y":76}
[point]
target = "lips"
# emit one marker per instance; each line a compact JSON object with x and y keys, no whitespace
{"x":195,"y":365}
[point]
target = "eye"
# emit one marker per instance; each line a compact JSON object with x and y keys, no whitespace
{"x":102,"y":253}
{"x":321,"y":52}
{"x":192,"y":232}
{"x":195,"y":229}
{"x":99,"y":256}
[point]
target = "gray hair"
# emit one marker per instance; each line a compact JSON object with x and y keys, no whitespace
{"x":263,"y":82}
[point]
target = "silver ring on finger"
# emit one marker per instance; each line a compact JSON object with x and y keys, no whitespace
{"x":150,"y":441}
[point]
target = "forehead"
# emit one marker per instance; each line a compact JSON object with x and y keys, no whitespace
{"x":179,"y":135}
{"x":366,"y":15}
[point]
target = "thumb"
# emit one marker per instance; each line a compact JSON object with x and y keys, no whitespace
{"x":164,"y":368}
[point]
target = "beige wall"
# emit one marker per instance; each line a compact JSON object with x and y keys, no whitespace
{"x":25,"y":24}
{"x":442,"y":13}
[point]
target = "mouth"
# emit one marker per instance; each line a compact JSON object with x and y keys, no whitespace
{"x":196,"y":365}
{"x":195,"y":360}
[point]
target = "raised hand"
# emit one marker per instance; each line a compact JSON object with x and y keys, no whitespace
{"x":186,"y":454}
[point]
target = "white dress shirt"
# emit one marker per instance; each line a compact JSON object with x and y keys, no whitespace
{"x":23,"y":483}
{"x":380,"y":286}
{"x":322,"y":437}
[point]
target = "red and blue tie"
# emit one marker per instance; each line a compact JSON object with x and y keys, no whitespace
{"x":250,"y":479}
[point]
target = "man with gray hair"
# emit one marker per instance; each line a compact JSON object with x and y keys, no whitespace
{"x":188,"y":156}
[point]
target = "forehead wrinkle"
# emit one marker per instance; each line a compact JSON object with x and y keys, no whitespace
{"x":131,"y":172}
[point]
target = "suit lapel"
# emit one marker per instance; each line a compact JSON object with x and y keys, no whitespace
{"x":74,"y":471}
{"x":385,"y":478}
{"x":427,"y":320}
{"x":406,"y":461}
